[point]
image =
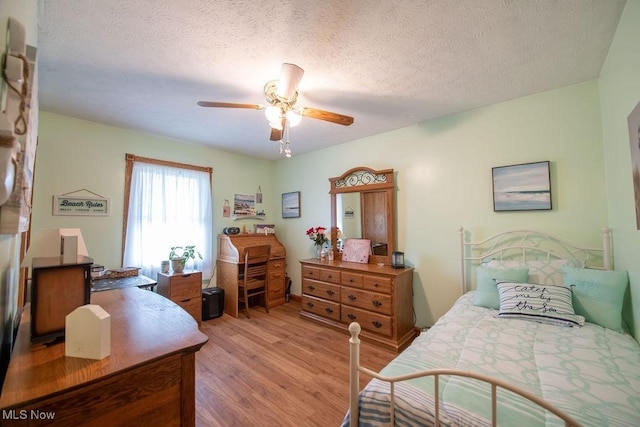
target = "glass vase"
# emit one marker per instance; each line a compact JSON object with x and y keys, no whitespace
{"x":318,"y":251}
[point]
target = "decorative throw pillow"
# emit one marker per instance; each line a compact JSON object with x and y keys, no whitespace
{"x":486,"y":294}
{"x":543,"y":271}
{"x":598,"y":294}
{"x":541,"y":303}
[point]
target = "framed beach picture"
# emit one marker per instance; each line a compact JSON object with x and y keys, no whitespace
{"x":244,"y":205}
{"x":291,"y":205}
{"x":524,"y":187}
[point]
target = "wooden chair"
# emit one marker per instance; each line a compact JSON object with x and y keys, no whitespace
{"x":255,"y":280}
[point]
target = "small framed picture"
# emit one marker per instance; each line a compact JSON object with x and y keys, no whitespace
{"x":524,"y":187}
{"x":264,"y":228}
{"x":291,"y":205}
{"x":356,"y":250}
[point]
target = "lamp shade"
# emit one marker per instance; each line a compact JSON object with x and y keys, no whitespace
{"x":46,"y":242}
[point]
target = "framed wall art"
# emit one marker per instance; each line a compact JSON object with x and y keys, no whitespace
{"x":523,"y":187}
{"x":244,"y":205}
{"x":634,"y":141}
{"x":291,"y":205}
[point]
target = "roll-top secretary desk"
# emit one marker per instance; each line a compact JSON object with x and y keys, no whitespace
{"x":230,"y":264}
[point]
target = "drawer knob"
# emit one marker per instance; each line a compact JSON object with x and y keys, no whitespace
{"x":376,"y":303}
{"x":375,"y":285}
{"x":376,"y":324}
{"x":351,"y":316}
{"x":350,"y":280}
{"x":310,"y":287}
{"x":352,"y":297}
{"x":330,"y":292}
{"x":329,"y":310}
{"x":329,"y":276}
{"x":310,"y":304}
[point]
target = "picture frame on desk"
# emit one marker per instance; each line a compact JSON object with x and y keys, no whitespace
{"x":264,"y":228}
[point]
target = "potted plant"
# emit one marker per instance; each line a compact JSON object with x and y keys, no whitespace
{"x":179,"y":256}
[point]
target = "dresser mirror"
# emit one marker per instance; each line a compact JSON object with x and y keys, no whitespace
{"x":362,"y":207}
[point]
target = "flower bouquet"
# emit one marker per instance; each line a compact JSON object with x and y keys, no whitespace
{"x":317,"y":235}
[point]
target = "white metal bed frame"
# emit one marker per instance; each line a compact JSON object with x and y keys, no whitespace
{"x":520,"y":244}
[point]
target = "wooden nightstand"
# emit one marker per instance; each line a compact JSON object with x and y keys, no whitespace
{"x":185,"y":289}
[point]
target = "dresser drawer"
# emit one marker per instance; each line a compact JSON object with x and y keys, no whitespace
{"x":351,"y":279}
{"x":321,"y":289}
{"x":375,"y":322}
{"x":371,"y":301}
{"x":193,"y":307}
{"x":185,"y":287}
{"x":332,"y":276}
{"x":377,"y":284}
{"x":321,"y":307}
{"x":311,"y":273}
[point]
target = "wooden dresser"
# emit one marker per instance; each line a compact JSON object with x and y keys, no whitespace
{"x":380,"y":299}
{"x":148,"y":379}
{"x":185,"y":289}
{"x":231,"y":262}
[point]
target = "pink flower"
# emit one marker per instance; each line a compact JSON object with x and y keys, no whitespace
{"x":317,"y":235}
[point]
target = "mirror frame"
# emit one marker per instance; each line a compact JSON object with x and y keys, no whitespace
{"x":362,"y":179}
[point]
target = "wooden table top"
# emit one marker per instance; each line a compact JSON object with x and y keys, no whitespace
{"x":139,"y":281}
{"x":144,"y":326}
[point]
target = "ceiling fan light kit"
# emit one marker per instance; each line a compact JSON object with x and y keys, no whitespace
{"x":281,"y":114}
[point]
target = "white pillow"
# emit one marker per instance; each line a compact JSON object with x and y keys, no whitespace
{"x":541,"y":303}
{"x":546,"y":272}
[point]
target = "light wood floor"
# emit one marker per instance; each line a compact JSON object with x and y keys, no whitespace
{"x":276,"y":369}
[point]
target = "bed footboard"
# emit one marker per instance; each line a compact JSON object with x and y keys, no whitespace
{"x":354,"y":385}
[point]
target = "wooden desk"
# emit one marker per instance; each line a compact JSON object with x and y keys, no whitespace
{"x":149,"y":378}
{"x":231,"y":262}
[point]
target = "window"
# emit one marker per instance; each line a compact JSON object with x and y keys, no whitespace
{"x":166,"y":204}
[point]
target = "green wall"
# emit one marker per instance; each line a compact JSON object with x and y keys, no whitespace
{"x":76,"y":154}
{"x":444,"y":182}
{"x":619,"y":85}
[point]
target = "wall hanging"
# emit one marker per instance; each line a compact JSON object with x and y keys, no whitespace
{"x":244,"y":205}
{"x":226,"y":209}
{"x":523,"y":187}
{"x":634,"y":141}
{"x":291,"y":205}
{"x":75,"y":203}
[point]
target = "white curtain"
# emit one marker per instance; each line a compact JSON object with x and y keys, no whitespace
{"x":168,"y":207}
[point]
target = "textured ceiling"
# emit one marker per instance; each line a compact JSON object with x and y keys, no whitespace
{"x":144,"y":64}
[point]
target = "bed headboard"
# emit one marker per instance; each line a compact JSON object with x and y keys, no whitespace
{"x":526,"y":245}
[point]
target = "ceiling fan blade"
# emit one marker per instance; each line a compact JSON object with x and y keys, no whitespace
{"x":290,"y":76}
{"x":327,"y":116}
{"x":278,"y":134}
{"x":230,"y":105}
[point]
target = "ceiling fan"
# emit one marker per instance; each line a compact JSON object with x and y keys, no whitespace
{"x":281,"y":112}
